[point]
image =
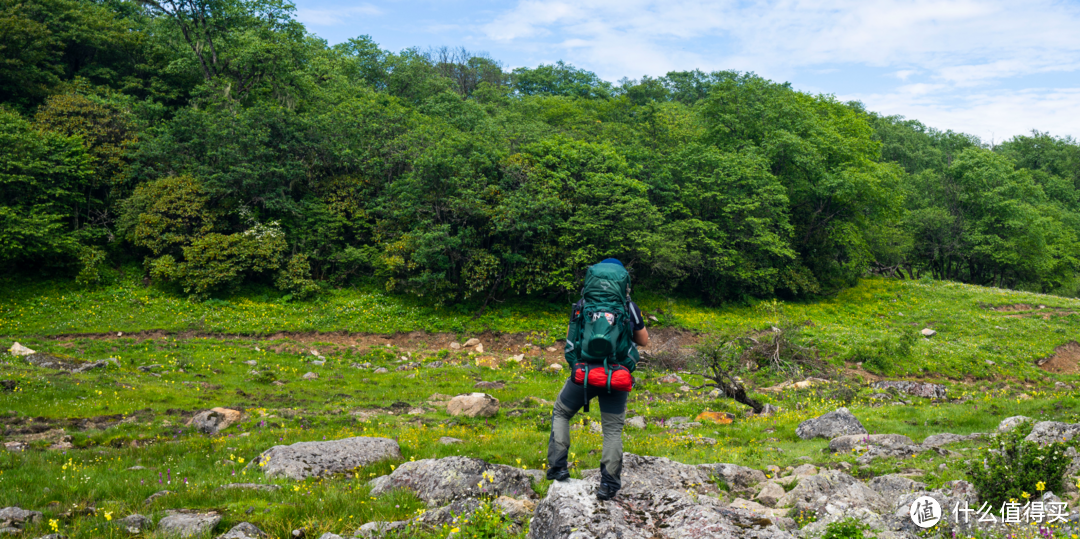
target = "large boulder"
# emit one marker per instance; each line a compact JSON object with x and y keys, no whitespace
{"x":134,"y":523}
{"x":187,"y":524}
{"x":20,"y":350}
{"x":473,"y":405}
{"x":640,"y":473}
{"x":1010,"y":423}
{"x":214,"y":420}
{"x":571,"y":510}
{"x":1046,"y":432}
{"x":892,"y":486}
{"x":917,"y":389}
{"x":737,"y":477}
{"x":15,"y":517}
{"x":243,"y":530}
{"x":307,"y":459}
{"x":440,"y":481}
{"x":833,"y":492}
{"x":836,"y":423}
{"x":852,"y":442}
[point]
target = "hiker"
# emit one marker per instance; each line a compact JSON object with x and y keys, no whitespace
{"x":606,"y":328}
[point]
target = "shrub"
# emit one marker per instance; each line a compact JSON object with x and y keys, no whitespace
{"x":849,"y":528}
{"x":880,"y":355}
{"x":1012,"y":467}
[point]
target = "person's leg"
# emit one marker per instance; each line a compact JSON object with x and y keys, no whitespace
{"x":612,"y":419}
{"x":569,"y":401}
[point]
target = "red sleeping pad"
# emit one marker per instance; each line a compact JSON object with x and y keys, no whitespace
{"x":621,"y":379}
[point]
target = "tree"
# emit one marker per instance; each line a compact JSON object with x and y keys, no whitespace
{"x":562,"y":79}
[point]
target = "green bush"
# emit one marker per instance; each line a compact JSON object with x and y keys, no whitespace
{"x":1013,"y":468}
{"x":880,"y":355}
{"x":848,"y":528}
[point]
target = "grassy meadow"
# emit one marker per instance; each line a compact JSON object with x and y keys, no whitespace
{"x":985,"y":350}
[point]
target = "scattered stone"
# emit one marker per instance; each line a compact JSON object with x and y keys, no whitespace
{"x":769,"y":494}
{"x":307,"y":459}
{"x":917,"y":389}
{"x":479,"y":349}
{"x":768,"y":411}
{"x":250,"y":486}
{"x":313,"y":376}
{"x":809,"y":382}
{"x":852,"y":442}
{"x":318,"y":363}
{"x":836,"y":423}
{"x":380,"y":370}
{"x":446,"y":440}
{"x":739,"y":478}
{"x":155,"y":496}
{"x":378,"y":529}
{"x":434,"y":365}
{"x":1046,"y":432}
{"x":14,"y":447}
{"x":440,"y":481}
{"x":945,"y":438}
{"x":134,"y":523}
{"x":214,"y":420}
{"x":927,"y":332}
{"x":472,"y":342}
{"x":187,"y":524}
{"x":516,"y":359}
{"x":553,"y":368}
{"x":638,"y":422}
{"x":455,"y":346}
{"x":20,"y":350}
{"x":407,"y":367}
{"x":17,"y":518}
{"x":514,"y":508}
{"x":551,"y":349}
{"x":251,"y":362}
{"x":148,"y":368}
{"x":670,"y":379}
{"x":473,"y":405}
{"x":1010,"y":423}
{"x":489,"y":385}
{"x":243,"y":530}
{"x":134,"y":468}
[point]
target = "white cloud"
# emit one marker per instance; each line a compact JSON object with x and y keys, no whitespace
{"x":334,"y":17}
{"x":951,"y":54}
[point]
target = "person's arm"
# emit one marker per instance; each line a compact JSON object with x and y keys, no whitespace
{"x":641,"y":335}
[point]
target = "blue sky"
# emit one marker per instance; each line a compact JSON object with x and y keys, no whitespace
{"x":990,"y":68}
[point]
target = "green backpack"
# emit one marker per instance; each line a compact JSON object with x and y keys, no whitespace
{"x":601,"y":328}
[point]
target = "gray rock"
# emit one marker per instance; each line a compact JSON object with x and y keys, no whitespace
{"x":737,"y":477}
{"x":156,"y":495}
{"x":892,"y":486}
{"x":53,"y":536}
{"x":86,"y":367}
{"x":946,"y":438}
{"x":769,"y":494}
{"x":380,"y":370}
{"x":380,"y":528}
{"x":433,"y":365}
{"x":917,"y":389}
{"x":489,"y":385}
{"x":243,"y":530}
{"x":927,"y":332}
{"x":134,"y":523}
{"x":1046,"y":432}
{"x":250,"y":486}
{"x":329,"y":535}
{"x":473,"y":405}
{"x":833,"y":424}
{"x":310,"y":376}
{"x":214,"y":420}
{"x":833,"y":492}
{"x":307,"y":459}
{"x":440,"y":481}
{"x":15,"y":517}
{"x":851,"y":442}
{"x":670,"y":379}
{"x":187,"y":524}
{"x":572,"y":511}
{"x":1010,"y":423}
{"x":638,"y":422}
{"x":446,"y":440}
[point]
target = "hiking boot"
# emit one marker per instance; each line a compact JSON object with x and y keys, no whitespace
{"x":558,"y":475}
{"x":605,"y":493}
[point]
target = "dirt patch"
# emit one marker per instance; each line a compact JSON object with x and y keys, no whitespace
{"x":1064,"y":360}
{"x":1016,"y":307}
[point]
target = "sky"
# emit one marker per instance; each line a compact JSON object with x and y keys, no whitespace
{"x":994,"y":69}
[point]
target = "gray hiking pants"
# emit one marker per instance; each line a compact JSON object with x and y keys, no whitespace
{"x":612,"y":417}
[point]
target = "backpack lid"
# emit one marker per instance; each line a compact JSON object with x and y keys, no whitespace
{"x":606,"y":285}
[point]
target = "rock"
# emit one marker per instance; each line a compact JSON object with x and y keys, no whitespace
{"x":670,"y":379}
{"x":439,"y":481}
{"x":1010,"y":423}
{"x":250,"y":486}
{"x":803,"y":384}
{"x":516,"y":359}
{"x":851,"y":442}
{"x":86,"y":367}
{"x":313,"y":376}
{"x":737,"y":477}
{"x":251,"y":362}
{"x":318,"y":362}
{"x":214,"y":420}
{"x":433,"y":365}
{"x":945,"y":438}
{"x":473,"y":405}
{"x":638,"y":422}
{"x":804,"y":470}
{"x":572,"y":511}
{"x":553,"y":368}
{"x":380,"y":528}
{"x":243,"y":530}
{"x":551,"y":349}
{"x":134,"y":468}
{"x":479,"y":349}
{"x":307,"y":459}
{"x":446,"y":440}
{"x":134,"y":523}
{"x":917,"y":389}
{"x":833,"y":492}
{"x":455,"y":346}
{"x":518,"y":510}
{"x":769,"y":494}
{"x":892,"y":486}
{"x":155,"y":496}
{"x":768,"y":410}
{"x":187,"y":524}
{"x":407,"y":367}
{"x":472,"y":342}
{"x":15,"y":447}
{"x":15,"y":517}
{"x":329,"y":535}
{"x":489,"y":385}
{"x":759,"y":509}
{"x":1046,"y":432}
{"x":830,"y":425}
{"x":927,"y":332}
{"x":380,"y":370}
{"x":20,"y":350}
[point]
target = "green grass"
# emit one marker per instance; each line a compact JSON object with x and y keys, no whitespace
{"x":201,"y":370}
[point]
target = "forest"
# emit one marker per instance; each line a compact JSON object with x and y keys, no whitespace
{"x":214,"y":144}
